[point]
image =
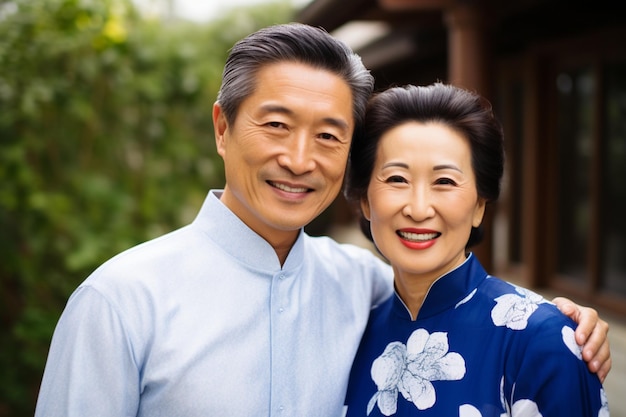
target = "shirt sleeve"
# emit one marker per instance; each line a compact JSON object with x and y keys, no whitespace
{"x":383,"y":281}
{"x":90,"y":370}
{"x":552,"y":379}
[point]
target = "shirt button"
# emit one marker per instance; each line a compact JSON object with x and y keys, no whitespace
{"x":281,"y":277}
{"x":280,"y":310}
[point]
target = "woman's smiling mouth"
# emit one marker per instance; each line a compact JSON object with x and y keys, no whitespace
{"x":418,"y":237}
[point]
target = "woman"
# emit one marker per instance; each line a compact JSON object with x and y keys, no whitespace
{"x":453,"y":341}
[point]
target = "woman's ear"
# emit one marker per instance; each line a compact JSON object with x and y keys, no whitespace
{"x":220,"y":126}
{"x":479,"y":212}
{"x":365,"y":208}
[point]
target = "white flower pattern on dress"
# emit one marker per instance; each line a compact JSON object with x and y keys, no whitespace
{"x":466,"y":299}
{"x":513,"y":310}
{"x":410,"y":369}
{"x":570,"y":341}
{"x":468,"y":410}
{"x":521,"y":408}
{"x":525,"y":408}
{"x":604,"y":411}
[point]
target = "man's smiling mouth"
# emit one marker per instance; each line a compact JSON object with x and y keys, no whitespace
{"x":289,"y":189}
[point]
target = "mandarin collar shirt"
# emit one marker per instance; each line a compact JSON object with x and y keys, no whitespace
{"x":204,"y":321}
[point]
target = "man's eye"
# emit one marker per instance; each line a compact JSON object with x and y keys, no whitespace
{"x":328,"y":136}
{"x":276,"y":124}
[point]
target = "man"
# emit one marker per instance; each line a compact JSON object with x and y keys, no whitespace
{"x":240,"y":313}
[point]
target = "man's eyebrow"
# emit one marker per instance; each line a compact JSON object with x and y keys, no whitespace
{"x":339,"y":123}
{"x":276,"y":108}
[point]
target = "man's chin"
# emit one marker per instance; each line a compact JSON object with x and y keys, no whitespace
{"x":287,"y":221}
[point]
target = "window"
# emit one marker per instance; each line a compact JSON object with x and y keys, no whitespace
{"x":590,"y":186}
{"x":575,"y":91}
{"x":613,"y":181}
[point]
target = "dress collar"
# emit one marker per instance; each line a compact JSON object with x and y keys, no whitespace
{"x":447,"y":291}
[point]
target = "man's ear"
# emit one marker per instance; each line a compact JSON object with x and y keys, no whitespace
{"x":220,"y":126}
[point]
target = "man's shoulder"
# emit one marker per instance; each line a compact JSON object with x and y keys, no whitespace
{"x":346,"y":259}
{"x":327,"y":246}
{"x":146,"y":258}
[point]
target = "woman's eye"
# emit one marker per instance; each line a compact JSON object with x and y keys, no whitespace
{"x":445,"y":181}
{"x":276,"y":124}
{"x":396,"y":179}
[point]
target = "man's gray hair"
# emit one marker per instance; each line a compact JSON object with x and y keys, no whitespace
{"x":292,"y":42}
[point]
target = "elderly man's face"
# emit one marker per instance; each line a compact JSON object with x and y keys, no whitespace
{"x":285,"y":155}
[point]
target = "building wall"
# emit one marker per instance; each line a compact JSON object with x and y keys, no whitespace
{"x":556,"y":74}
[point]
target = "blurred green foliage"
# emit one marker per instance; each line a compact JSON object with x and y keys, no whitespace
{"x":106,"y":140}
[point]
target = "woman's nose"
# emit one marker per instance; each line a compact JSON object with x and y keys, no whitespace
{"x":418,"y":205}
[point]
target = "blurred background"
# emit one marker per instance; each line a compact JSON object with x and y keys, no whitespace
{"x":106,"y":139}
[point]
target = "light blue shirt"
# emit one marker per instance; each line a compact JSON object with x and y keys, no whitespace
{"x":204,"y":321}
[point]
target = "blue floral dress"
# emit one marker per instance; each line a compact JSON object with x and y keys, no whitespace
{"x":479,"y":347}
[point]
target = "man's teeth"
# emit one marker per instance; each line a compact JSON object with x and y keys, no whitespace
{"x":290,"y":189}
{"x":419,"y":237}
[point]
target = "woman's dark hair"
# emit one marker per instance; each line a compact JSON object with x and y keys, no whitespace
{"x":467,"y":113}
{"x":292,"y":42}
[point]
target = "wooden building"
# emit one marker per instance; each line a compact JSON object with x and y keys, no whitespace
{"x":555,"y":72}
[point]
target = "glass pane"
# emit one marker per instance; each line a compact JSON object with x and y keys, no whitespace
{"x":614,"y":181}
{"x":575,"y":99}
{"x":507,"y":221}
{"x":516,"y":186}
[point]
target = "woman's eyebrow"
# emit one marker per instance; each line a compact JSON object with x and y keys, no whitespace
{"x":447,"y":166}
{"x":396,"y":165}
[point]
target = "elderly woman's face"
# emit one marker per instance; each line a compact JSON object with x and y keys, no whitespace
{"x":422,"y":200}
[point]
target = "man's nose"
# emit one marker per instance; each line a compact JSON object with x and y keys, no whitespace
{"x":298,"y":155}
